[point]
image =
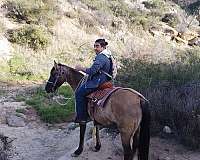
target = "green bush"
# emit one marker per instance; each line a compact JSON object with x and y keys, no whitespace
{"x":48,"y":109}
{"x":173,"y":92}
{"x":17,"y":66}
{"x":32,"y":12}
{"x":144,"y":73}
{"x":36,"y":37}
{"x":120,"y":9}
{"x":116,"y":7}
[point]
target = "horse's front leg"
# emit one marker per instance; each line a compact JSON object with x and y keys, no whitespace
{"x":98,"y":142}
{"x":81,"y":142}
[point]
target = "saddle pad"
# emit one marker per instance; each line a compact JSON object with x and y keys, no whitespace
{"x":97,"y":100}
{"x":99,"y":97}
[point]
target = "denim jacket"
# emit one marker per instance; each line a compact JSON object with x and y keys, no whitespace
{"x":101,"y":63}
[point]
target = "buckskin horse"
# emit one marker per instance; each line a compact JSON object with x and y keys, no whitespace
{"x":126,"y":108}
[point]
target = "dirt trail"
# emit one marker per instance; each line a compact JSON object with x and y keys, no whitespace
{"x":38,"y":141}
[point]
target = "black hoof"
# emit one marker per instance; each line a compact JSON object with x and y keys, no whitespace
{"x":77,"y":153}
{"x":96,"y":148}
{"x":74,"y":155}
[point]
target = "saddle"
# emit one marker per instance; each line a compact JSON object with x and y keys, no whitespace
{"x":98,"y":99}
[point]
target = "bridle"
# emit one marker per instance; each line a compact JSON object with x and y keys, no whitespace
{"x":59,"y":72}
{"x":54,"y":83}
{"x":56,"y":91}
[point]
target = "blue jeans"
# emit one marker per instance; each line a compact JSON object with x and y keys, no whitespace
{"x":81,"y":102}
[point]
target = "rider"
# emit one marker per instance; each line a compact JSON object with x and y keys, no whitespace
{"x":98,"y":74}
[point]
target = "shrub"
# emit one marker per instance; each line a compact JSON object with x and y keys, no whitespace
{"x":153,"y":4}
{"x":193,"y":8}
{"x":95,"y":4}
{"x":144,"y":73}
{"x":5,"y":147}
{"x":170,"y":19}
{"x":150,"y":4}
{"x":35,"y":12}
{"x":177,"y":108}
{"x":87,"y":20}
{"x":36,"y":37}
{"x":48,"y":110}
{"x":119,"y":9}
{"x":17,"y":65}
{"x":173,"y":90}
{"x":70,"y":14}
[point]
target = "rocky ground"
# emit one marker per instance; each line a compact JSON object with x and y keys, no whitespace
{"x":34,"y":140}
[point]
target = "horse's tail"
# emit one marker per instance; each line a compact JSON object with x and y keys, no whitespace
{"x":144,"y":139}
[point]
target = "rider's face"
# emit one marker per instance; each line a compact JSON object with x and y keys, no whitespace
{"x":98,"y":48}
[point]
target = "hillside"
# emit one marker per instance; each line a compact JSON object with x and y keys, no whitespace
{"x":156,"y":44}
{"x":35,"y":34}
{"x":184,"y":2}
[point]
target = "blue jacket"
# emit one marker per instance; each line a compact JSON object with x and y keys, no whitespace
{"x":96,"y":77}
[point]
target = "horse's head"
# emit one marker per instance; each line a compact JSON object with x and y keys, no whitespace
{"x":57,"y":77}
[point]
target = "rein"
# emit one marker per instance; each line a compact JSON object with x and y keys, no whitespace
{"x":84,"y":79}
{"x":66,"y":98}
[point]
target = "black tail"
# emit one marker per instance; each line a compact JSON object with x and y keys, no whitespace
{"x":144,"y":140}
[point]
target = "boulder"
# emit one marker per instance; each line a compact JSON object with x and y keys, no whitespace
{"x":15,"y":121}
{"x":5,"y":49}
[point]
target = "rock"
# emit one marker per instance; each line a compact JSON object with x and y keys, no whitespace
{"x":21,"y":115}
{"x":5,"y":49}
{"x":15,"y":121}
{"x":166,"y":129}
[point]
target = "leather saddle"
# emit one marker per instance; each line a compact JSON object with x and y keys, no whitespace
{"x":99,"y":98}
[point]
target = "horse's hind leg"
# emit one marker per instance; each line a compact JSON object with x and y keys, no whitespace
{"x":98,"y":143}
{"x":135,"y":142}
{"x":125,"y":137}
{"x":81,"y":142}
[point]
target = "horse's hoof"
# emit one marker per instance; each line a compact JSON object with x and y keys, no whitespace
{"x":96,"y":148}
{"x":74,"y":155}
{"x":77,"y":152}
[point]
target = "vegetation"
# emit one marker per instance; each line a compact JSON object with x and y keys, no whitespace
{"x":40,"y":12}
{"x":36,"y":37}
{"x":2,"y":28}
{"x":5,"y":147}
{"x":193,"y":8}
{"x":121,"y":10}
{"x":170,"y":19}
{"x":172,"y":89}
{"x":171,"y":85}
{"x":153,"y":4}
{"x":49,"y":110}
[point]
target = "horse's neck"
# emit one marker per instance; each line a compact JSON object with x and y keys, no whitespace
{"x":73,"y":77}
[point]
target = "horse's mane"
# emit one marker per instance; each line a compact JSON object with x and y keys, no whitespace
{"x":72,"y":70}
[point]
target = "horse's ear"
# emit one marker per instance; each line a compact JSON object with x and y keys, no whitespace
{"x":55,"y":64}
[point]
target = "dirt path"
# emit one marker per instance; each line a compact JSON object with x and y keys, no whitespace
{"x":38,"y":141}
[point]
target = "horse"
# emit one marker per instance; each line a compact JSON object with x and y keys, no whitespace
{"x":126,"y":108}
